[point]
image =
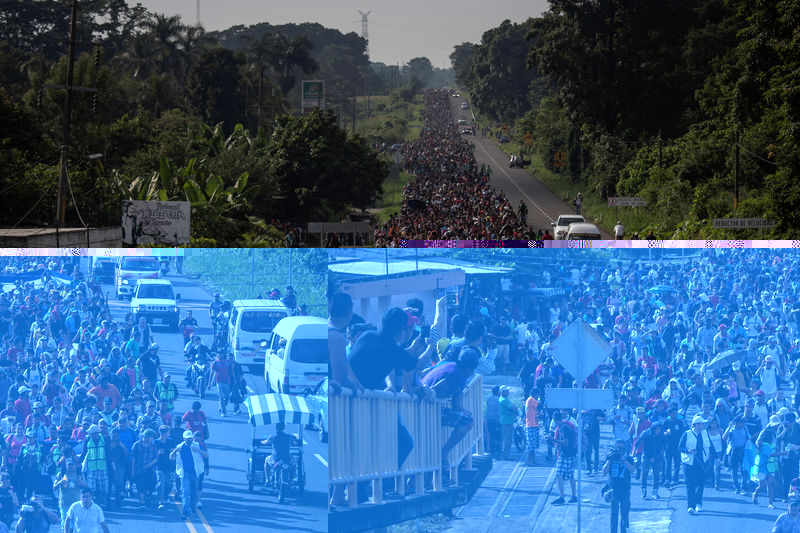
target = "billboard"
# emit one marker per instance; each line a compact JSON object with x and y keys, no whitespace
{"x":312,"y":95}
{"x":155,"y":222}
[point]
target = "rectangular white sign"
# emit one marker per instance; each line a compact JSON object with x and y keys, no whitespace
{"x":742,"y":223}
{"x":155,"y":222}
{"x":626,"y":201}
{"x":592,"y":398}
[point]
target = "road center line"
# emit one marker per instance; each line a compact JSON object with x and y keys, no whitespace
{"x":321,"y":460}
{"x":187,"y":521}
{"x":250,"y":390}
{"x":205,"y":522}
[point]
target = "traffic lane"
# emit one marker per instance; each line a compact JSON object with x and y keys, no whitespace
{"x":723,"y":511}
{"x":229,"y":438}
{"x":517,"y":184}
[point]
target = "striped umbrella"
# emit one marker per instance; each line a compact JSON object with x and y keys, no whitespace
{"x":266,"y":409}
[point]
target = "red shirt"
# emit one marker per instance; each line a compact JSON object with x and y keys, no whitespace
{"x":195,"y":421}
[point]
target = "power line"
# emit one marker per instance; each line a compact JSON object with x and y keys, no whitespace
{"x":34,"y":206}
{"x":69,"y":184}
{"x":757,"y":156}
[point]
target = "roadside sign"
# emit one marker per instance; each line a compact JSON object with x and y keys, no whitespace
{"x":568,"y":398}
{"x":561,"y":159}
{"x":742,"y":223}
{"x":626,"y":201}
{"x":312,"y":95}
{"x":155,"y":222}
{"x":580,"y":349}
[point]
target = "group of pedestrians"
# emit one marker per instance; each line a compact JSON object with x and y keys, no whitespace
{"x":450,"y":197}
{"x":89,"y":412}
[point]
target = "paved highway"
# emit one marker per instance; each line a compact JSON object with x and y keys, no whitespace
{"x":228,"y":506}
{"x":517,"y":183}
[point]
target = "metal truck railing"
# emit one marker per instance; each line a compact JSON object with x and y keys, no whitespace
{"x":363,"y":442}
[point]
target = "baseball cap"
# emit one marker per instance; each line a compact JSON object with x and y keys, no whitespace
{"x":188,"y":434}
{"x":774,"y":421}
{"x":698,"y":419}
{"x":94,"y":428}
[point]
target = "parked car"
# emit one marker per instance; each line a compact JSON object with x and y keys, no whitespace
{"x":317,"y":402}
{"x":561,"y":225}
{"x":578,"y":231}
{"x":503,"y":139}
{"x":464,"y":105}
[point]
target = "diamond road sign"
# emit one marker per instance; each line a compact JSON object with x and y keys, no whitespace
{"x":742,"y":223}
{"x":580,"y":349}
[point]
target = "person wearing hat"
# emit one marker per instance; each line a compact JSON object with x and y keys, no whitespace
{"x":166,"y":390}
{"x":789,"y":441}
{"x":673,"y":428}
{"x":448,"y":380}
{"x":188,"y":457}
{"x":165,"y":467}
{"x":68,"y":487}
{"x":94,"y":460}
{"x":508,"y":414}
{"x":769,"y":374}
{"x":30,"y":460}
{"x":23,"y":403}
{"x":765,"y":465}
{"x":8,"y":499}
{"x":144,"y":458}
{"x":696,"y":451}
{"x":149,"y":419}
{"x":778,"y":402}
{"x":789,"y":522}
{"x":721,"y":341}
{"x":38,"y":409}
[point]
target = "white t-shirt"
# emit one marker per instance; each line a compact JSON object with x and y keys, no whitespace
{"x":86,"y":520}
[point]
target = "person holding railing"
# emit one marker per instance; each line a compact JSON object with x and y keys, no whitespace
{"x":448,"y":380}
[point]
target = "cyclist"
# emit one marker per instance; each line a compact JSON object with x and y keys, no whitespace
{"x":187,"y":325}
{"x":215,"y":306}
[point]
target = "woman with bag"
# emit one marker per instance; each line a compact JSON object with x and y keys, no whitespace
{"x":766,"y":461}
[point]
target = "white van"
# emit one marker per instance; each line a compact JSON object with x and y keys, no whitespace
{"x":250,"y":325}
{"x":583,"y":232}
{"x":297,"y":356}
{"x":130,"y":269}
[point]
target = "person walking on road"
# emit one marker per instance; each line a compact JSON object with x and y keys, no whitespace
{"x":765,"y":466}
{"x":493,"y":422}
{"x":577,"y":202}
{"x":737,"y":436}
{"x":85,"y":516}
{"x":653,"y":445}
{"x":508,"y":413}
{"x":566,"y":439}
{"x":95,"y":461}
{"x":165,"y":467}
{"x":532,"y":428}
{"x":619,"y":467}
{"x":695,"y":448}
{"x":223,"y":377}
{"x":619,"y":231}
{"x":189,"y":465}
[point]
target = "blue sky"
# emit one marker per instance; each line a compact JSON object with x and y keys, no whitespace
{"x":398,"y":30}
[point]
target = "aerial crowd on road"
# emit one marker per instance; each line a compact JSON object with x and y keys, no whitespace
{"x":450,"y":197}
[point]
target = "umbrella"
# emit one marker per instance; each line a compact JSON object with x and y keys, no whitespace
{"x":268,"y":409}
{"x":726,"y":358}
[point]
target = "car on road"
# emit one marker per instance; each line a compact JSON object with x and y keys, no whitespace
{"x":503,"y":139}
{"x":518,"y":161}
{"x":561,"y":224}
{"x":155,"y":300}
{"x":297,"y":355}
{"x":317,"y":402}
{"x":464,"y":105}
{"x":466,"y":131}
{"x":103,"y":269}
{"x":578,"y":231}
{"x":129,"y":269}
{"x":462,"y":121}
{"x":250,"y":326}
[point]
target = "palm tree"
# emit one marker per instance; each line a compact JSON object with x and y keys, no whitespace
{"x":283,"y":56}
{"x":166,"y":32}
{"x":191,"y":41}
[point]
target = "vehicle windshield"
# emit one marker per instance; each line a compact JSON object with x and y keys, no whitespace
{"x":313,"y":351}
{"x":160,"y":292}
{"x":139,"y":264}
{"x":566,"y":221}
{"x":260,"y":321}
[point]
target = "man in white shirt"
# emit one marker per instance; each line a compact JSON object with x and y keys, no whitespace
{"x":85,"y":516}
{"x":619,"y":231}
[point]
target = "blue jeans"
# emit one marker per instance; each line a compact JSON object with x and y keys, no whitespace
{"x":189,"y":486}
{"x":224,"y":391}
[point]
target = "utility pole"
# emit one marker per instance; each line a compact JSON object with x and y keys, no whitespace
{"x":62,"y":174}
{"x":260,"y":81}
{"x":736,"y":172}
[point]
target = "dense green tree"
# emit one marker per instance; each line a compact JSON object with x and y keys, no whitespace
{"x":213,"y":87}
{"x":461,"y":61}
{"x":421,"y":68}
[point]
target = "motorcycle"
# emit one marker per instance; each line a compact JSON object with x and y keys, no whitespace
{"x":199,"y":378}
{"x":280,"y":478}
{"x":520,"y":440}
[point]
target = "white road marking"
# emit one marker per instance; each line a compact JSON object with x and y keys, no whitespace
{"x":305,"y":442}
{"x":250,"y":390}
{"x":321,"y":460}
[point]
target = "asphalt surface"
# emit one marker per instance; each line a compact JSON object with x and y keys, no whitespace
{"x":228,"y":506}
{"x":518,"y":184}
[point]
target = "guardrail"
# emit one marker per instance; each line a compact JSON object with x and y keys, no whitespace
{"x":363,"y":442}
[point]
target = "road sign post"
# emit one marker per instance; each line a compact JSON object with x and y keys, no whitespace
{"x":580,"y":349}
